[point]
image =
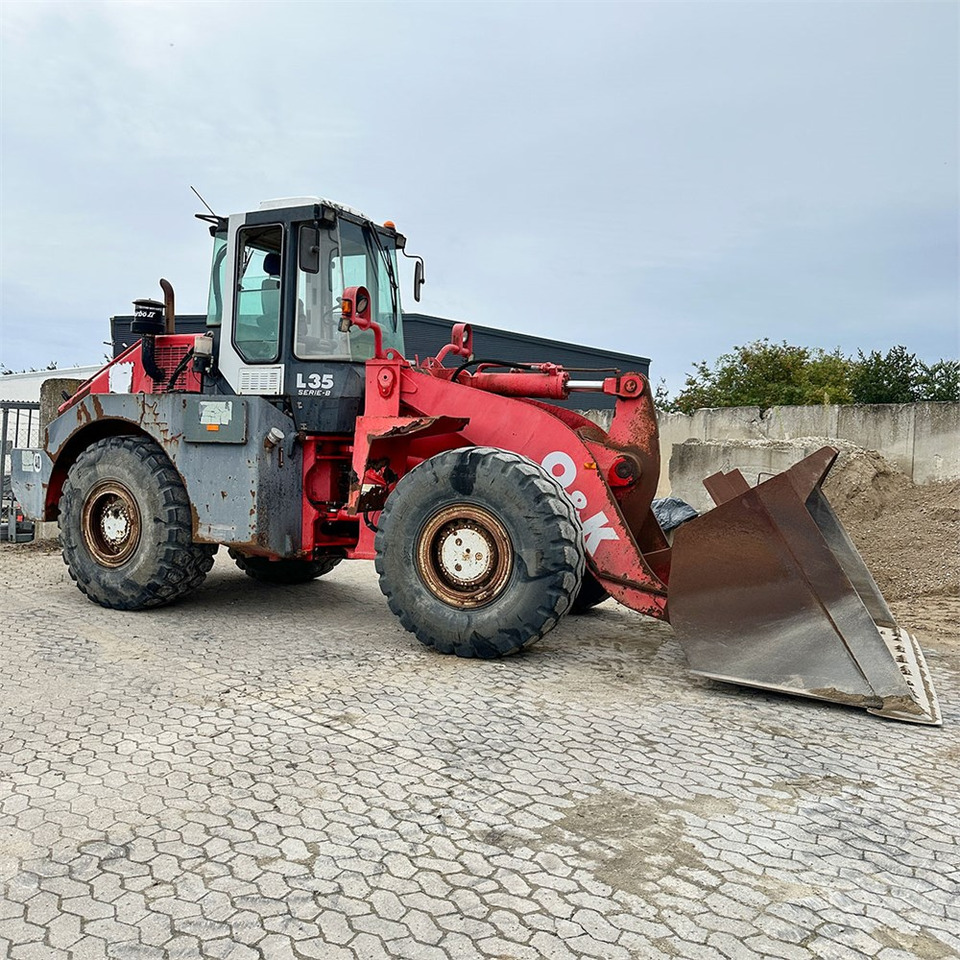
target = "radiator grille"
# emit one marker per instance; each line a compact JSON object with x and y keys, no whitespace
{"x":167,"y":359}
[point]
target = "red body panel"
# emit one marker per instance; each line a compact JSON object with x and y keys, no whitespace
{"x":128,"y":375}
{"x":411,"y":414}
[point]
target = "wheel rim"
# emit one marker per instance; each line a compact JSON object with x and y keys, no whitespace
{"x":111,"y":523}
{"x":465,"y":556}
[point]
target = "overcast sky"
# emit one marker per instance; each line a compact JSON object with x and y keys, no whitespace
{"x":666,"y":179}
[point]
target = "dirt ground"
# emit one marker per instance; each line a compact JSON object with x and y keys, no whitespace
{"x":909,"y":538}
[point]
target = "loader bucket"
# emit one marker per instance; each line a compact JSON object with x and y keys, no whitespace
{"x":768,"y":590}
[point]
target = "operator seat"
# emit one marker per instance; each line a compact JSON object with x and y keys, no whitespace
{"x":270,"y":287}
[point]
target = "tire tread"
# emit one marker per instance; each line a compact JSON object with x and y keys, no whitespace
{"x":284,"y":572}
{"x":182,"y":564}
{"x":561,"y":554}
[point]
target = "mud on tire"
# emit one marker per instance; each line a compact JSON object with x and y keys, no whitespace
{"x":125,"y":526}
{"x":283,"y":571}
{"x":479,"y":552}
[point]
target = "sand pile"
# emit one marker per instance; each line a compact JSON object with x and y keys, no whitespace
{"x":908,"y":535}
{"x":863,"y":485}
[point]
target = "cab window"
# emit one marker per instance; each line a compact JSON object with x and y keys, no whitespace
{"x":257,"y":312}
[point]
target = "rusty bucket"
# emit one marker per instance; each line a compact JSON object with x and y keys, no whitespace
{"x":768,"y":590}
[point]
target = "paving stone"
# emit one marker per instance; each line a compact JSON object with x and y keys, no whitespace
{"x":277,"y":947}
{"x":110,"y":931}
{"x":90,"y":948}
{"x":134,"y":951}
{"x":335,"y":927}
{"x":35,"y":951}
{"x":731,"y":947}
{"x":320,"y":949}
{"x":594,"y":924}
{"x":587,"y":946}
{"x":19,"y":931}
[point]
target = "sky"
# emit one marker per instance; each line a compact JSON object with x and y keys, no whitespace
{"x":663,"y":179}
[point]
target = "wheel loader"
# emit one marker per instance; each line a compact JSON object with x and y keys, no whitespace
{"x":296,"y":433}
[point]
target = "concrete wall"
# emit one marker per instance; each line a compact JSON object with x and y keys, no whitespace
{"x":757,"y":460}
{"x":922,"y":439}
{"x":53,"y":392}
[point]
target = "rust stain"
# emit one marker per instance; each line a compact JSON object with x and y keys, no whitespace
{"x":403,"y":429}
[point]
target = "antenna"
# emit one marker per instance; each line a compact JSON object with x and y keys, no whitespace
{"x":204,"y":202}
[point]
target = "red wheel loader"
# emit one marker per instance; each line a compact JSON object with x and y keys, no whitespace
{"x":296,"y":433}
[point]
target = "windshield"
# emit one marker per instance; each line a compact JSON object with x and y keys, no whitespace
{"x":350,"y":256}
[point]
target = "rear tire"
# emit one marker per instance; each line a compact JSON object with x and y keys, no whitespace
{"x":592,"y":592}
{"x":126,"y":529}
{"x":479,"y":552}
{"x":283,"y":571}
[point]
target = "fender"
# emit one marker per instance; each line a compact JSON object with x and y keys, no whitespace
{"x":243,"y":492}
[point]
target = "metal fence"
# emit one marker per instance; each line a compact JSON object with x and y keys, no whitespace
{"x":19,"y":427}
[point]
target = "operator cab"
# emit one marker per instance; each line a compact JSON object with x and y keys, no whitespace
{"x":276,"y":284}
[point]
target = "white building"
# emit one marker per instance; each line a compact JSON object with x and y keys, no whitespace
{"x":26,"y":386}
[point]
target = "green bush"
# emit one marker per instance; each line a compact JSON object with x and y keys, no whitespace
{"x":940,"y":381}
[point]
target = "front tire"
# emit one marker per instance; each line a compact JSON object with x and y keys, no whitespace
{"x":125,"y":526}
{"x":479,"y":552}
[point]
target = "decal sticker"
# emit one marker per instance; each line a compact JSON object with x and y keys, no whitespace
{"x":216,"y":412}
{"x":563,"y":469}
{"x":315,"y":384}
{"x":30,"y":461}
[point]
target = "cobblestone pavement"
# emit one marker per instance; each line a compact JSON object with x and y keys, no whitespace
{"x":284,"y":773}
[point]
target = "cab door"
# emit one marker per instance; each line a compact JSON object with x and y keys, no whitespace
{"x":324,"y":369}
{"x":254,"y":305}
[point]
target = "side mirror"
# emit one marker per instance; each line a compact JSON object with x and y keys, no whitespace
{"x":355,"y":309}
{"x":462,"y":339}
{"x":309,"y":249}
{"x":418,"y":280}
{"x":460,"y":345}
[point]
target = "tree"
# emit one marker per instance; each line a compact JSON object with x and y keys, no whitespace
{"x":940,"y":381}
{"x":661,"y":398}
{"x":886,"y":379}
{"x":765,"y":374}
